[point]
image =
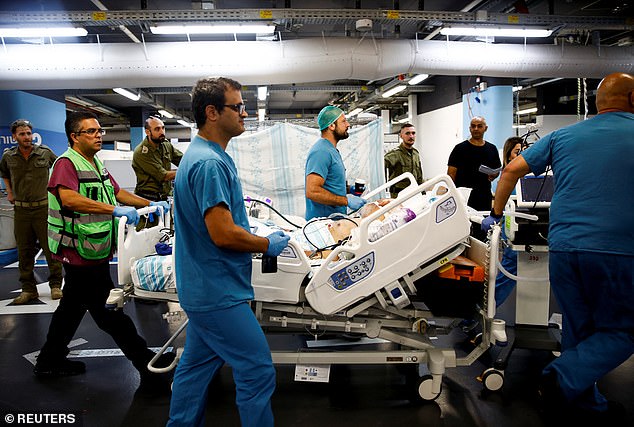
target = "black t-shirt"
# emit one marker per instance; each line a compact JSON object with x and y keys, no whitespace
{"x":467,"y":158}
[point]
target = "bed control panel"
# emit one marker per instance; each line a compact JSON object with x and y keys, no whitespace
{"x":353,"y":273}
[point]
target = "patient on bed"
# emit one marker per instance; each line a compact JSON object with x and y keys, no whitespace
{"x":325,"y":234}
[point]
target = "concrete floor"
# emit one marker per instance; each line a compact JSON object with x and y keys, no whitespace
{"x":108,"y":394}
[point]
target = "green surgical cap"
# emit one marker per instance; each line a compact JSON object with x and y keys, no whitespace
{"x":328,"y":115}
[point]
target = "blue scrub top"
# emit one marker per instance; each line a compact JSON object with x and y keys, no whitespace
{"x":593,"y":167}
{"x":208,"y":277}
{"x":325,"y":160}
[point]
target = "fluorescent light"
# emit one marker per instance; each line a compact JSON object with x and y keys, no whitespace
{"x":393,"y":91}
{"x":214,"y":29}
{"x":481,"y":31}
{"x":417,"y":79}
{"x":355,"y":112}
{"x":166,"y":113}
{"x":526,"y":111}
{"x":262,"y":91}
{"x":128,"y":94}
{"x":79,"y":101}
{"x":43,"y":32}
{"x":184,"y":123}
{"x":261,"y":114}
{"x":517,"y":88}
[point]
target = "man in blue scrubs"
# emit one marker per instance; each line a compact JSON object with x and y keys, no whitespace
{"x":213,"y":266}
{"x":591,"y":260}
{"x":325,"y":172}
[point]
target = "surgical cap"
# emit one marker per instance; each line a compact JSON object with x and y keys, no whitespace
{"x":328,"y":115}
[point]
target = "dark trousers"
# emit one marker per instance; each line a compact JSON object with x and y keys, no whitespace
{"x":29,"y":228}
{"x":86,"y":289}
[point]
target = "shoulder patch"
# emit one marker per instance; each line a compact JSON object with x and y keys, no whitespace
{"x":144,"y":149}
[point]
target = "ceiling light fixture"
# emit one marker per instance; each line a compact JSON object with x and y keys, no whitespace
{"x":418,"y":78}
{"x":482,"y":31}
{"x":262,"y":92}
{"x":128,"y":94}
{"x":79,"y":101}
{"x":184,"y":123}
{"x":43,"y":32}
{"x":214,"y":29}
{"x":355,"y":112}
{"x":166,"y":113}
{"x":526,"y":111}
{"x":393,"y":91}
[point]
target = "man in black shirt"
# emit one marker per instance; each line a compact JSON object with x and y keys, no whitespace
{"x":465,"y":160}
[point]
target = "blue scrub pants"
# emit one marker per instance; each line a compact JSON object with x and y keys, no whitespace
{"x":596,"y":294}
{"x":230,"y":335}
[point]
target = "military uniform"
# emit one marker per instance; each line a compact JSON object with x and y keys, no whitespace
{"x":150,"y":165}
{"x":399,"y":161}
{"x":29,"y":178}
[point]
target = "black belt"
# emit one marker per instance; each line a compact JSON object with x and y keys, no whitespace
{"x":31,"y":204}
{"x":155,"y":197}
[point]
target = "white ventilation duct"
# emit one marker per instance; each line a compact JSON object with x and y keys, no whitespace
{"x":95,"y":66}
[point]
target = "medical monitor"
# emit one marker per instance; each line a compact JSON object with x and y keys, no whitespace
{"x":535,"y":191}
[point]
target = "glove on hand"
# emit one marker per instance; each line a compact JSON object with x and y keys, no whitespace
{"x":355,"y":202}
{"x":277,"y":242}
{"x":162,"y":205}
{"x":489,"y":221}
{"x":132,"y":216}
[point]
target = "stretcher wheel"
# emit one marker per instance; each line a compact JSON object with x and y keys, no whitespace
{"x":492,"y":379}
{"x":425,"y":388}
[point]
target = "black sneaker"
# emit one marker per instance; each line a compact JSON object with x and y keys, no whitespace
{"x":62,"y":368}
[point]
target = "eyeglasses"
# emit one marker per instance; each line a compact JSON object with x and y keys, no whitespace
{"x":92,"y":132}
{"x":238,"y":108}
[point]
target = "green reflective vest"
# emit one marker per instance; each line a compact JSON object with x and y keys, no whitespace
{"x":91,"y":235}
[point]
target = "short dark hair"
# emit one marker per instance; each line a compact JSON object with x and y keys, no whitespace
{"x":210,"y":91}
{"x":71,"y":125}
{"x":509,"y":144}
{"x":19,"y":123}
{"x":406,"y":125}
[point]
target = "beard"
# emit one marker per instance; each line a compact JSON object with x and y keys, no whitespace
{"x":339,"y":135}
{"x":159,"y":140}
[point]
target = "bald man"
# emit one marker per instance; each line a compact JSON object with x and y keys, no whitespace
{"x":591,"y":244}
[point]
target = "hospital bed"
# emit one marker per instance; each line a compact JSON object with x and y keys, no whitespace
{"x":364,"y":287}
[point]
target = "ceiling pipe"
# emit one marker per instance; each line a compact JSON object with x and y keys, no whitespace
{"x":294,"y":61}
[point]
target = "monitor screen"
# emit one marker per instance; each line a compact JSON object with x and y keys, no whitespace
{"x":535,"y":191}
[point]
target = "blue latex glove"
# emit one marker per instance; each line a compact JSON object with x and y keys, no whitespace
{"x":162,"y":204}
{"x":489,"y":221}
{"x":277,"y":242}
{"x":355,"y":202}
{"x":129,"y":212}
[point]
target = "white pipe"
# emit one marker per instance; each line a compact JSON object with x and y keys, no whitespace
{"x":292,"y":61}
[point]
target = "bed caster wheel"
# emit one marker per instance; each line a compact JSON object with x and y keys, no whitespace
{"x":425,"y":389}
{"x":492,"y":379}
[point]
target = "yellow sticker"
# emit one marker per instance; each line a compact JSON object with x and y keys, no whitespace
{"x":514,"y":19}
{"x":393,"y":14}
{"x":266,"y":14}
{"x":99,"y":16}
{"x":443,"y":261}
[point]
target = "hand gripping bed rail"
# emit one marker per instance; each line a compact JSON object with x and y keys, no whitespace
{"x":359,"y":268}
{"x":141,"y":245}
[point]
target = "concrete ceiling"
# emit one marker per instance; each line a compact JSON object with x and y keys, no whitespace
{"x":602,"y":23}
